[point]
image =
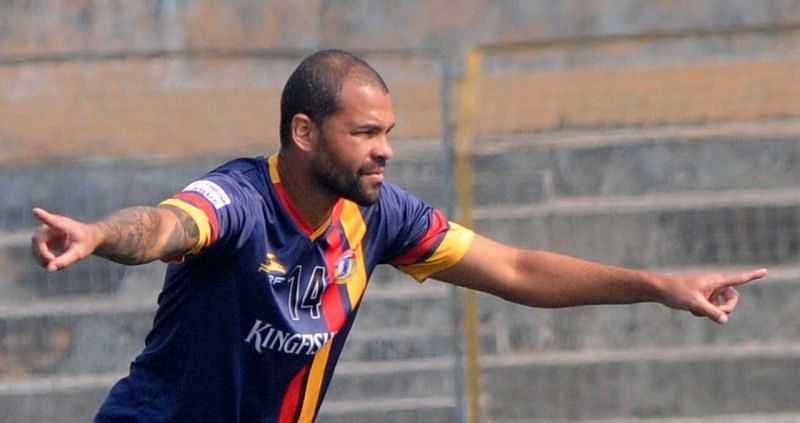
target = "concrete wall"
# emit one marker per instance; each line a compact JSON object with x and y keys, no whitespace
{"x":199,"y":78}
{"x":63,"y":27}
{"x":660,"y":134}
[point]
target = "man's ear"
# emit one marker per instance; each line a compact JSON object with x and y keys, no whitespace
{"x":303,"y":132}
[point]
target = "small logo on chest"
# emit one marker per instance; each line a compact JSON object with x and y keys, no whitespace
{"x":272,"y":266}
{"x":345,"y":266}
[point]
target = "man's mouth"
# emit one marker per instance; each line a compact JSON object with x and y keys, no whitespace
{"x":375,"y":176}
{"x":374,"y":172}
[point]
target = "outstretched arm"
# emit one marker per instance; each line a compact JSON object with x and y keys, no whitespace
{"x":133,"y":235}
{"x":544,"y":279}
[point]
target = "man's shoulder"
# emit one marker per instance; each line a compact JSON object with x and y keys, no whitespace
{"x":393,"y":196}
{"x":243,"y":165}
{"x":248,"y":170}
{"x":394,"y":201}
{"x":242,"y":175}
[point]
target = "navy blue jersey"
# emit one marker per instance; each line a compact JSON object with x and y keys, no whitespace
{"x":251,"y":322}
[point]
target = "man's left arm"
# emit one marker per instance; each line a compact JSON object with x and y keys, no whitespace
{"x":544,"y":279}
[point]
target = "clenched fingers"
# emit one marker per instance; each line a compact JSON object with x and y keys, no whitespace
{"x":726,"y":300}
{"x":40,"y":245}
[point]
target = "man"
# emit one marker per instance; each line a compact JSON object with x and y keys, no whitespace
{"x":271,"y":256}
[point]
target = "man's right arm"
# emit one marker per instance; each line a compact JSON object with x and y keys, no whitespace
{"x":133,"y":235}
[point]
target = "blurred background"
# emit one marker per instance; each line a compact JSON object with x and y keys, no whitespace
{"x":660,"y":135}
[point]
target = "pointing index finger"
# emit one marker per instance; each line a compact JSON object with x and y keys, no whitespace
{"x":746,"y":277}
{"x":41,"y":214}
{"x":48,"y":218}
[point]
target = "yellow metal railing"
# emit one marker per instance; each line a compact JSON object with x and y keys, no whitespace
{"x":465,"y":119}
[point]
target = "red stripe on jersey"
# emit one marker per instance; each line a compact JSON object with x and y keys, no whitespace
{"x":203,"y":204}
{"x":332,"y":305}
{"x":287,"y":203}
{"x":426,"y":244}
{"x":291,"y":400}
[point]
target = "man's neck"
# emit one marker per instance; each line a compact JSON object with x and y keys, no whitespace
{"x":313,"y":202}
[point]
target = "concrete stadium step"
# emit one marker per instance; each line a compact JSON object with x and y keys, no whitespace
{"x":88,"y":189}
{"x":412,"y":378}
{"x":635,"y":385}
{"x":88,"y":334}
{"x":92,"y":188}
{"x":79,"y":404}
{"x":531,"y":168}
{"x":403,"y":410}
{"x":402,"y":344}
{"x":642,"y":384}
{"x":73,"y":399}
{"x":730,"y":228}
{"x":397,"y":390}
{"x":689,"y":382}
{"x":767,"y":313}
{"x":730,"y":418}
{"x":23,"y":280}
{"x":74,"y":337}
{"x":721,"y":157}
{"x":404,"y":303}
{"x":88,"y":277}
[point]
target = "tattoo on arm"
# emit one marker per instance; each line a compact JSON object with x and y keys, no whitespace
{"x":184,"y":235}
{"x":132,"y":235}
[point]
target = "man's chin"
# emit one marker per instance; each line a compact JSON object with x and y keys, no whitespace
{"x":366,"y":201}
{"x":365,"y":197}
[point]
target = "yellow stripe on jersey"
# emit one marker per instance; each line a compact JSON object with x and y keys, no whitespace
{"x":200,"y":218}
{"x":354,"y":230}
{"x":450,"y":251}
{"x":314,"y":384}
{"x":274,"y":175}
{"x":319,"y":231}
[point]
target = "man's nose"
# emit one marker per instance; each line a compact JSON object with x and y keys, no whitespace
{"x":383,"y":148}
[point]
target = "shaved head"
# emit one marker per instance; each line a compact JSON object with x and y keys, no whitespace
{"x":314,"y":88}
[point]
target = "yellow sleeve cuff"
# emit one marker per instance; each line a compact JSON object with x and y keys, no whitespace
{"x":452,"y":249}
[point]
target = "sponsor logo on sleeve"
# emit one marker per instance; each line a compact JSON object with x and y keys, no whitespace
{"x":211,"y":191}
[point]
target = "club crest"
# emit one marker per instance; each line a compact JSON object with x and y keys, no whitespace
{"x":345,"y":266}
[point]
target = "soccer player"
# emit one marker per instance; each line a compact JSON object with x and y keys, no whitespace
{"x":269,"y":259}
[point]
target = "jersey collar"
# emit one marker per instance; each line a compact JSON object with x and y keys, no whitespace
{"x":275,"y":179}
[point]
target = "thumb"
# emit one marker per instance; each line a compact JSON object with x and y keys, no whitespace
{"x":68,"y":258}
{"x":706,"y":308}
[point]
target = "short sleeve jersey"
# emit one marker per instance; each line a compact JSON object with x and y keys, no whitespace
{"x":251,"y":323}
